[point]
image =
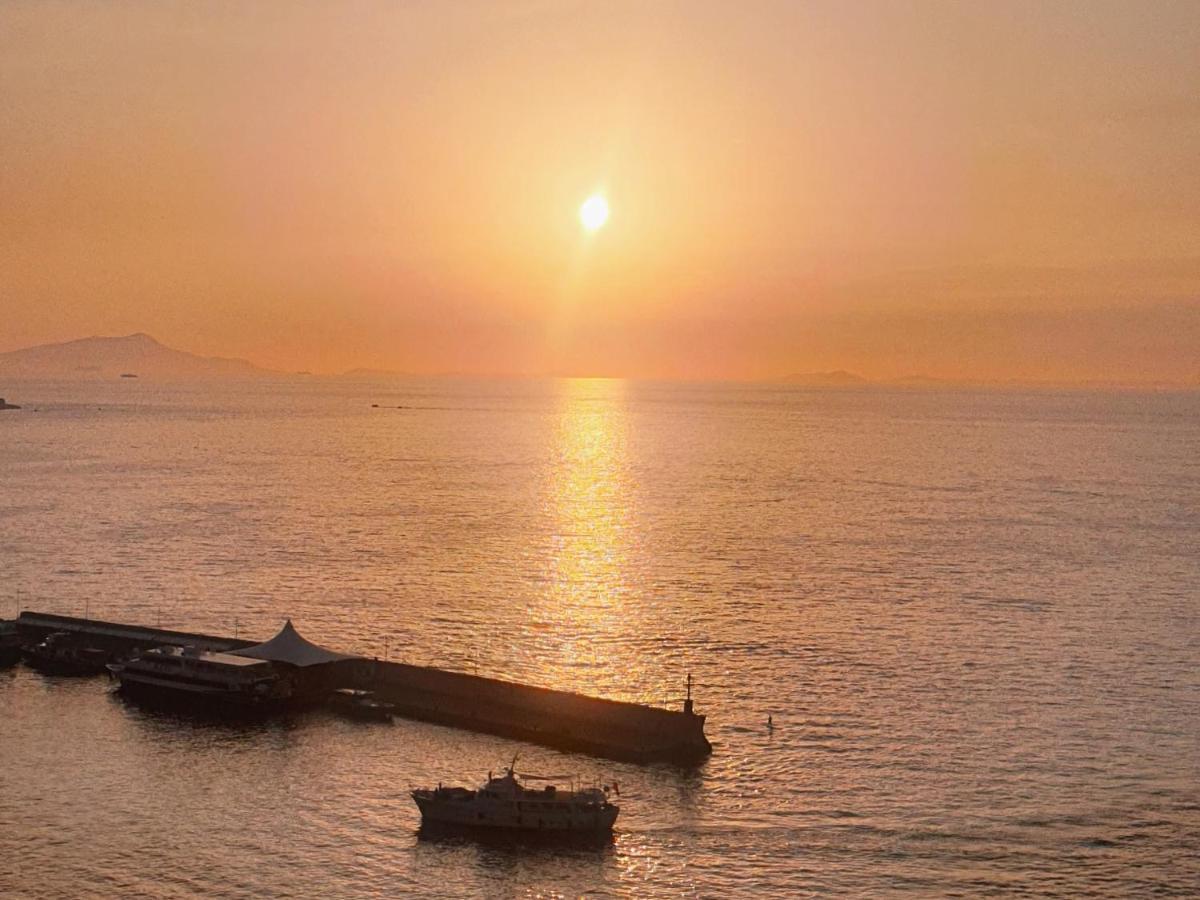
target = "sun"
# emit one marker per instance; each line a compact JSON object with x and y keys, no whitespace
{"x":594,"y":212}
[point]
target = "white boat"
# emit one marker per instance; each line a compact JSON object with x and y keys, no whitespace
{"x":505,"y":803}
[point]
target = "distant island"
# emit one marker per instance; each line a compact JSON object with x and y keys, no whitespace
{"x":843,"y":379}
{"x":142,"y":356}
{"x":5,"y":405}
{"x":839,"y":378}
{"x":372,"y":373}
{"x":120,"y":357}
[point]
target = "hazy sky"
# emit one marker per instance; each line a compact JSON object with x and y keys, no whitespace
{"x":965,"y":189}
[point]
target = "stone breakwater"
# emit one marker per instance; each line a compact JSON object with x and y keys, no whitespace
{"x":552,"y":718}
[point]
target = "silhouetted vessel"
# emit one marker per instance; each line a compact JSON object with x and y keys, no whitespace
{"x":285,"y":671}
{"x":360,"y":704}
{"x":61,"y":654}
{"x":10,"y":645}
{"x":189,"y":674}
{"x":505,"y":804}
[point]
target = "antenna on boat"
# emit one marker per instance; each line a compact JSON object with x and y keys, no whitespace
{"x":687,"y":704}
{"x":513,"y":765}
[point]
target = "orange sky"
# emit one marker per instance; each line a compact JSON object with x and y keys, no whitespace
{"x":956,"y":189}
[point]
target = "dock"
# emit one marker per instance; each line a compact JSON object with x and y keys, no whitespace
{"x":559,"y":719}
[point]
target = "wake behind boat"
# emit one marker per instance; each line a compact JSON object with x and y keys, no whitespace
{"x":505,"y":804}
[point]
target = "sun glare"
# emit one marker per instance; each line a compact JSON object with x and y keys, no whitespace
{"x":594,"y":212}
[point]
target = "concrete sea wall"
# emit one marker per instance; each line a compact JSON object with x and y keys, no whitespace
{"x":560,"y":719}
{"x":120,"y":636}
{"x":540,"y":715}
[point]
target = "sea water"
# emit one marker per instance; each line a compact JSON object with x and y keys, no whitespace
{"x":971,"y":616}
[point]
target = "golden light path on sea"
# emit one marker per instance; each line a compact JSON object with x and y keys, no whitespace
{"x":591,"y":498}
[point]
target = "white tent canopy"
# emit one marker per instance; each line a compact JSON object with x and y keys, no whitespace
{"x":289,"y":647}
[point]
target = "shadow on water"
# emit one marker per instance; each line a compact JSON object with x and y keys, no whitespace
{"x":523,"y":843}
{"x":509,"y":860}
{"x":559,"y":857}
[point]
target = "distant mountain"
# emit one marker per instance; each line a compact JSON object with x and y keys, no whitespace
{"x":111,"y":357}
{"x":372,"y":373}
{"x":920,"y":381}
{"x":826,"y":379}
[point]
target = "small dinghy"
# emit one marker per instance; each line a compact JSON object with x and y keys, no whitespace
{"x":359,"y":704}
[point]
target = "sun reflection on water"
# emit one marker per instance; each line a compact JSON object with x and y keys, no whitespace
{"x":589,"y":500}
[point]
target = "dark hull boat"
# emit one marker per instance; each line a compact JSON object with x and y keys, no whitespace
{"x":10,"y":645}
{"x":359,"y":704}
{"x":505,"y":805}
{"x":187,"y":677}
{"x":214,"y":699}
{"x":286,"y":672}
{"x":203,"y":707}
{"x":59,"y":655}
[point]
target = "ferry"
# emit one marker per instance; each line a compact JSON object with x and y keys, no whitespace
{"x":190,"y":673}
{"x":504,"y":803}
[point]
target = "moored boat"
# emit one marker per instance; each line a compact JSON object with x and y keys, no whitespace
{"x":360,"y":704}
{"x":193,"y":676}
{"x":10,"y":644}
{"x":60,"y":654}
{"x":504,"y":803}
{"x":285,"y":672}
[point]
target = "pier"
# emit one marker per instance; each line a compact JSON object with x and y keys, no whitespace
{"x":552,"y":718}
